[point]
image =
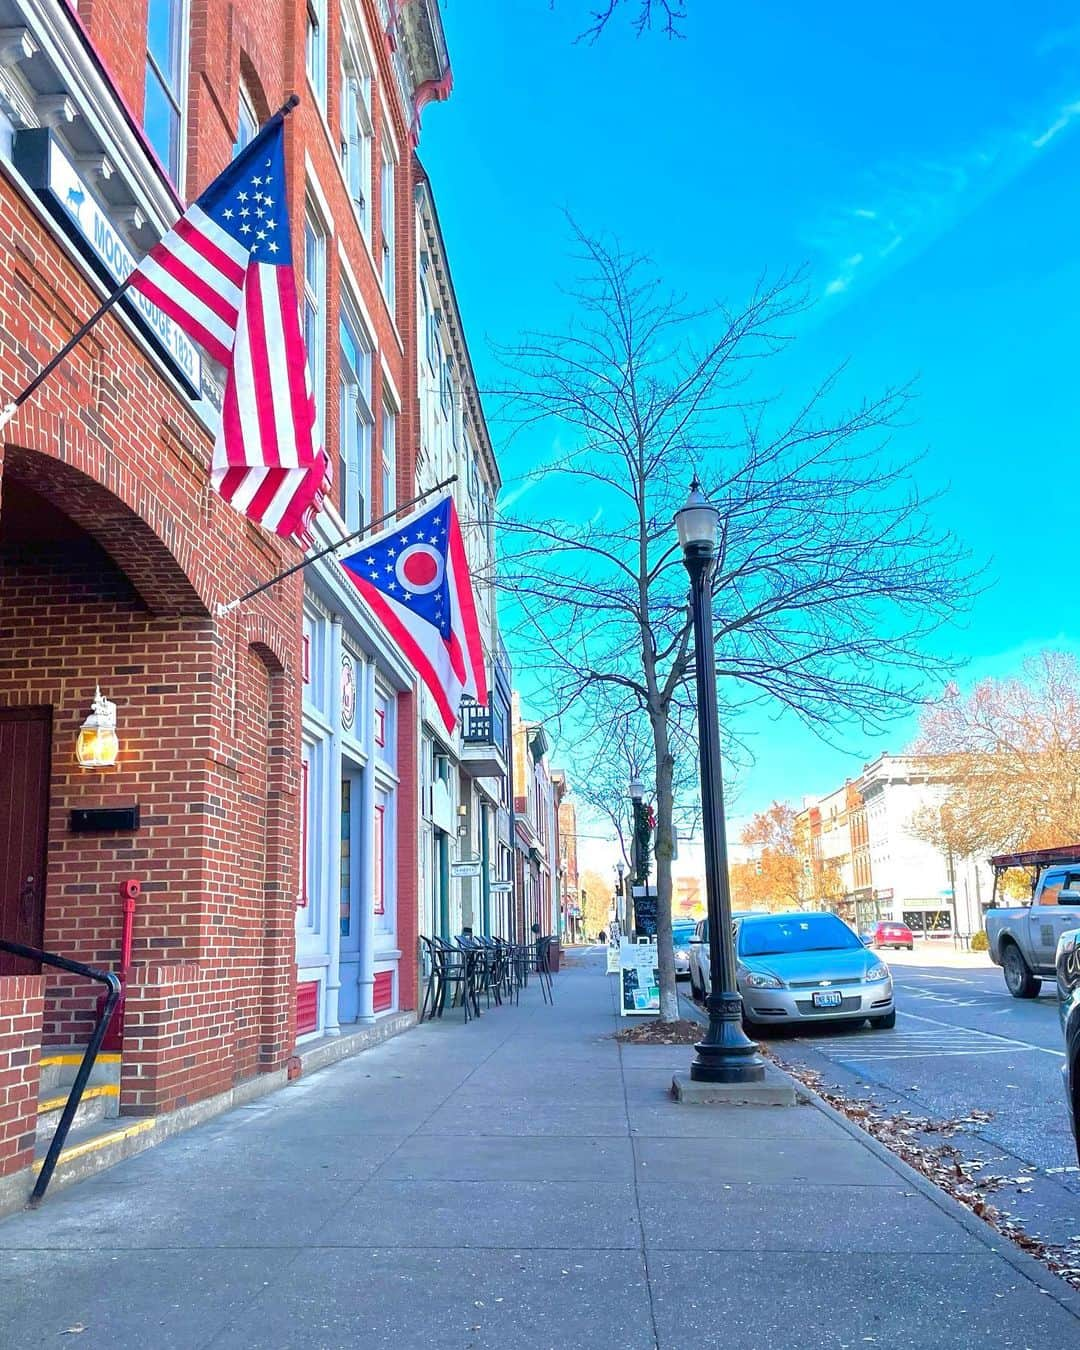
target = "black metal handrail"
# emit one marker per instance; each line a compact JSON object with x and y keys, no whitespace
{"x":112,"y":983}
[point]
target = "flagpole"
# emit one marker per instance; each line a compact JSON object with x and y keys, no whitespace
{"x":224,"y":609}
{"x":43,"y":374}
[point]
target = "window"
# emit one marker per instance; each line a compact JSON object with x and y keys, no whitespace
{"x":356,"y":125}
{"x":387,"y":207}
{"x":431,"y":329}
{"x":380,"y":859}
{"x":163,"y":113}
{"x":247,"y":122}
{"x":389,"y":458}
{"x":305,"y":813}
{"x":316,"y":48}
{"x":447,"y":386}
{"x":314,"y":310}
{"x":356,"y":421}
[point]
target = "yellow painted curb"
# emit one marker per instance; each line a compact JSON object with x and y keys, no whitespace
{"x":108,"y":1058}
{"x":100,"y":1090}
{"x":102,"y":1141}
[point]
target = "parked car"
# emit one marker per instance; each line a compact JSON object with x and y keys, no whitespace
{"x":887,"y":933}
{"x":682,"y":933}
{"x":1024,"y":939}
{"x":1067,"y":970}
{"x":699,"y":953}
{"x":805,"y":967}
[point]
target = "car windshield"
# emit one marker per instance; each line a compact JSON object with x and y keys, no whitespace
{"x":805,"y":933}
{"x":681,"y":934}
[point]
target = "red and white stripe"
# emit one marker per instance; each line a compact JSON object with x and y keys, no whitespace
{"x":267,"y":462}
{"x":451,"y":667}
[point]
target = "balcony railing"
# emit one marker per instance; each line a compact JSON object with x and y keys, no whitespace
{"x":476,"y":724}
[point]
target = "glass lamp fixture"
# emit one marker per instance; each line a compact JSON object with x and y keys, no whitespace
{"x":98,"y":746}
{"x":698,"y":522}
{"x":637,"y":789}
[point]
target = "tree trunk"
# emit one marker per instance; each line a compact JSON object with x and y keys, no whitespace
{"x":663,"y":850}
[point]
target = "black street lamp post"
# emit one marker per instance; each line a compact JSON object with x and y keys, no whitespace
{"x":726,"y":1055}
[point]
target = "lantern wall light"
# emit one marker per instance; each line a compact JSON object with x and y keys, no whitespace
{"x":98,"y":745}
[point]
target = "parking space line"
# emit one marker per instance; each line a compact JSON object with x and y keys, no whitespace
{"x":992,"y":1035}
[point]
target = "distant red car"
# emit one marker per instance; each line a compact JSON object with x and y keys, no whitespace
{"x":887,"y":934}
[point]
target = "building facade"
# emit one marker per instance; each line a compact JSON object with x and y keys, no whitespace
{"x":861,"y":855}
{"x":265,"y":795}
{"x":464,"y":855}
{"x":536,"y":828}
{"x":357,"y":898}
{"x":114,"y":558}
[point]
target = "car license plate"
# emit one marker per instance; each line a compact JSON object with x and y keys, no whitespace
{"x":831,"y":998}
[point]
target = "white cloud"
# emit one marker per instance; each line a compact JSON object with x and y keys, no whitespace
{"x":917,"y":199}
{"x":1059,"y":124}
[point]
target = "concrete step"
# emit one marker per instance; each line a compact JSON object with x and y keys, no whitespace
{"x":94,"y":1144}
{"x":99,"y":1102}
{"x":59,"y":1067}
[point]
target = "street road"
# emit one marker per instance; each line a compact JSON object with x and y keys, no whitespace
{"x":962,"y":1042}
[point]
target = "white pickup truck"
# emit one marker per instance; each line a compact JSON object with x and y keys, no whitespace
{"x":1023,"y":940}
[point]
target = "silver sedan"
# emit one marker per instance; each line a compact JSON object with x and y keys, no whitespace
{"x":809,"y":967}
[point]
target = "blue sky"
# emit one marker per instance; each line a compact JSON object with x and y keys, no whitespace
{"x":924,"y":165}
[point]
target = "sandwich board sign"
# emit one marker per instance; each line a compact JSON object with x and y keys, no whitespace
{"x":639,"y":978}
{"x":613,"y":956}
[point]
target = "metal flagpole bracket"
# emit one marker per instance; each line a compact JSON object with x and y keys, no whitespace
{"x":8,"y":413}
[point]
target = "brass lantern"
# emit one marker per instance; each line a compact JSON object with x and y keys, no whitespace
{"x":98,"y":746}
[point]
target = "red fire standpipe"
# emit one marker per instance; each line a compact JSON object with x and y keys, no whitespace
{"x":129,"y":893}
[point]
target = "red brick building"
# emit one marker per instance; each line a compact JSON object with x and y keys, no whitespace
{"x":114,"y":552}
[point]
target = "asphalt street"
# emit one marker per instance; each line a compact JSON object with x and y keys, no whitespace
{"x":962,"y":1042}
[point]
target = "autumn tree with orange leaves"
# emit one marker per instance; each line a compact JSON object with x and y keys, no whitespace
{"x":770,"y":880}
{"x":1009,"y":761}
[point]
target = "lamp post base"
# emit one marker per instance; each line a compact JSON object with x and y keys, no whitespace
{"x":726,"y":1055}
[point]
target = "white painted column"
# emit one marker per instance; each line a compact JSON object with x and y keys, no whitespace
{"x":365,"y":900}
{"x":333,"y":831}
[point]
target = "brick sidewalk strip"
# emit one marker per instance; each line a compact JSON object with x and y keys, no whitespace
{"x":520,"y":1182}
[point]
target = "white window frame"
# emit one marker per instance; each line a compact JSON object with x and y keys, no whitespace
{"x":178,"y":97}
{"x":357,"y":122}
{"x":388,"y":223}
{"x":357,"y":421}
{"x":247,"y":120}
{"x":316,"y":49}
{"x":388,"y":455}
{"x":315,"y":241}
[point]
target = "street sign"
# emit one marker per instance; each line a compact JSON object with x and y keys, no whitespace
{"x":501,"y":887}
{"x":465,"y":869}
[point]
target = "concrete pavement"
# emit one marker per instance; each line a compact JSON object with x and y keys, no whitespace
{"x":524,"y":1181}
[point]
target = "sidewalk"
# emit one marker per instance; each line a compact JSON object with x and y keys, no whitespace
{"x":520,"y":1182}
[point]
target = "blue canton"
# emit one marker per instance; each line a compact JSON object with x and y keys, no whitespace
{"x":380,"y":564}
{"x":248,"y":199}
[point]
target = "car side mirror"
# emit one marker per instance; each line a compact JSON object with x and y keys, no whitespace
{"x":1068,"y":898}
{"x":867,"y":940}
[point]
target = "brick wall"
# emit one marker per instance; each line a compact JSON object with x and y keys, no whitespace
{"x":20,"y":1036}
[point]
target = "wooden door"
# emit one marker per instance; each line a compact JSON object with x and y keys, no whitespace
{"x":25,"y":754}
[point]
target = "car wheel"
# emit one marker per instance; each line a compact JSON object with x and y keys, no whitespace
{"x":885,"y":1023}
{"x":911,"y":946}
{"x":1018,"y":978}
{"x":695,"y":992}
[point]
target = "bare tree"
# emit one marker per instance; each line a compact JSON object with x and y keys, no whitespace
{"x":665,"y":15}
{"x":829,"y":574}
{"x":1009,"y":761}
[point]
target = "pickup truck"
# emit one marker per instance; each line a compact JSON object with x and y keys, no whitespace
{"x":1024,"y":940}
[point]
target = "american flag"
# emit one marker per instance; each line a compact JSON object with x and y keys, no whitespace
{"x":415,"y":578}
{"x":224,"y":274}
